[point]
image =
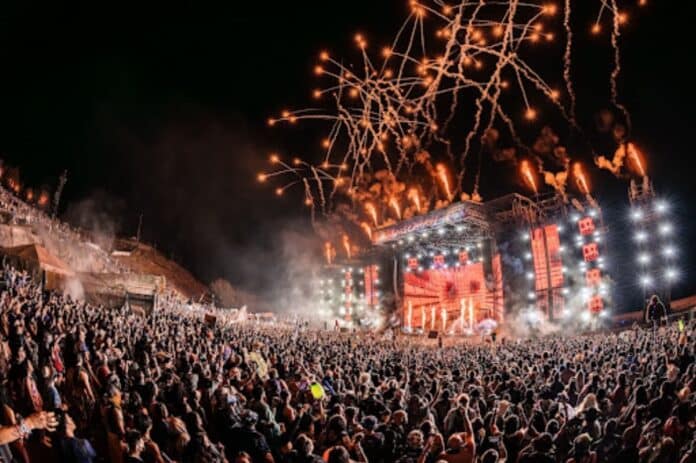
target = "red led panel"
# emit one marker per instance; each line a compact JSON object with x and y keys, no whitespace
{"x":596,"y":304}
{"x":590,"y":252}
{"x":586,"y":226}
{"x":593,"y":277}
{"x":550,"y":246}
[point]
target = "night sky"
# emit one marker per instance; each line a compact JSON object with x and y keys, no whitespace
{"x":161,"y":110}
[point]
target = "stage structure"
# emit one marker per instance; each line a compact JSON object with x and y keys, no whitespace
{"x":457,"y":266}
{"x":454,"y":269}
{"x":653,"y":238}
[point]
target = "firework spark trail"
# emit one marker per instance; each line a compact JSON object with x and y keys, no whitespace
{"x":414,"y":197}
{"x":346,"y":246}
{"x":385,"y":112}
{"x":581,"y":179}
{"x":372,"y":212}
{"x":615,"y":32}
{"x":528,"y":176}
{"x":396,"y":207}
{"x":567,"y":55}
{"x":367,"y":229}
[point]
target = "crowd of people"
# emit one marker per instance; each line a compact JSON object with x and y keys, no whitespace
{"x":71,"y":244}
{"x":84,"y":383}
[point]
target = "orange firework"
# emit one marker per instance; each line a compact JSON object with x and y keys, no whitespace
{"x":528,"y":175}
{"x":581,"y":178}
{"x":372,"y":212}
{"x":636,"y":158}
{"x":443,"y":176}
{"x":414,"y":197}
{"x":394,"y":204}
{"x":43,"y":199}
{"x":346,"y":245}
{"x":328,"y":252}
{"x":366,"y":228}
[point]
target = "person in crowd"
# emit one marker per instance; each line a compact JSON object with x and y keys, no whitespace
{"x":107,"y":384}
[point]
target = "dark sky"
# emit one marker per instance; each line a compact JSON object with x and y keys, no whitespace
{"x":161,"y":110}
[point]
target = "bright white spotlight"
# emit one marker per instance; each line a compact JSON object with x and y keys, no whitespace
{"x":592,"y":213}
{"x":671,"y":274}
{"x":644,"y":258}
{"x":530,"y":276}
{"x":531,"y":295}
{"x":528,"y":256}
{"x":411,"y":238}
{"x":561,"y":249}
{"x":603,"y":314}
{"x":565,"y":291}
{"x":566,"y":313}
{"x":560,"y":228}
{"x":441,"y":231}
{"x":578,"y":237}
{"x":525,"y":236}
{"x":636,"y":215}
{"x":585,"y":317}
{"x":431,"y":254}
{"x":641,"y":236}
{"x":420,"y":269}
{"x":668,"y":251}
{"x":407,"y":256}
{"x":665,"y":229}
{"x":646,"y":280}
{"x":574,"y":217}
{"x":460,"y":228}
{"x":424,"y":234}
{"x":661,"y":206}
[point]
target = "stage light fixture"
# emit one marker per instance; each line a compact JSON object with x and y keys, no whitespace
{"x":671,"y":274}
{"x":525,"y":236}
{"x":668,"y":251}
{"x":441,"y":231}
{"x":528,"y":256}
{"x":641,"y":236}
{"x":530,"y":276}
{"x":574,"y":217}
{"x":585,"y":317}
{"x":645,"y":280}
{"x":460,"y":228}
{"x":411,"y":238}
{"x":531,"y":295}
{"x":636,"y":215}
{"x":665,"y":229}
{"x":644,"y":258}
{"x":661,"y":206}
{"x":565,"y":291}
{"x":560,"y":228}
{"x":592,"y":213}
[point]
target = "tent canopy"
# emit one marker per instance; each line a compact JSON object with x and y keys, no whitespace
{"x":35,"y":254}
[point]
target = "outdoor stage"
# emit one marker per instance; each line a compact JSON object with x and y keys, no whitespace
{"x":460,"y":270}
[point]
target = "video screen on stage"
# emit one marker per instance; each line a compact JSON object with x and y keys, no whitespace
{"x":455,"y":298}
